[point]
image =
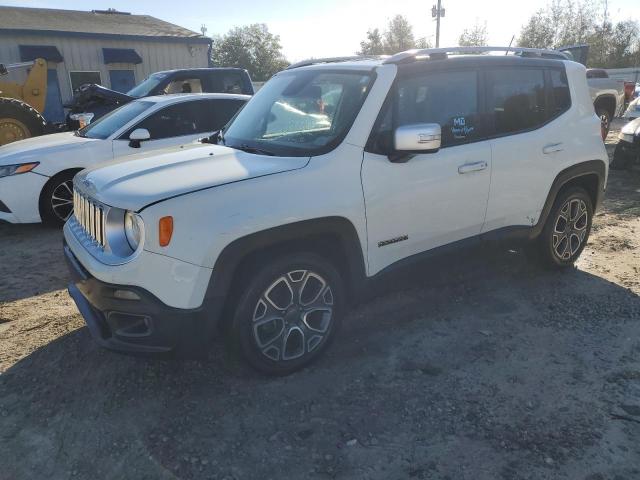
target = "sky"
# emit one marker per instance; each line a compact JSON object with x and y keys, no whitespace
{"x":323,"y":28}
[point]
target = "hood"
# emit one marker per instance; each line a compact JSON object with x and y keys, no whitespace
{"x":34,"y":149}
{"x":90,"y":93}
{"x":140,"y":180}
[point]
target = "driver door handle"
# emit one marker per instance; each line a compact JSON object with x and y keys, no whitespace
{"x":472,"y":167}
{"x":552,"y":148}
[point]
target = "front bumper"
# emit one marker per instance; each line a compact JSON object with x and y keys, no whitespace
{"x":144,"y":325}
{"x":20,"y":195}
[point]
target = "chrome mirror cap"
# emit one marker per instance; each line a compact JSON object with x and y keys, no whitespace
{"x":418,"y":137}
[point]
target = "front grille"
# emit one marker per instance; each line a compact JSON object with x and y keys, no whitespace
{"x":91,"y":217}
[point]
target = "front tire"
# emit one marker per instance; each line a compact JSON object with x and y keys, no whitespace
{"x":288,"y":313}
{"x":18,"y":120}
{"x":56,"y":199}
{"x":567,"y":229}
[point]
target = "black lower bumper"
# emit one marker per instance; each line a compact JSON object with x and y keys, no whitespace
{"x":132,"y":320}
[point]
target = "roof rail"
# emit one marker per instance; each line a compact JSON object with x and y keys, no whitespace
{"x":315,"y":61}
{"x":411,"y":55}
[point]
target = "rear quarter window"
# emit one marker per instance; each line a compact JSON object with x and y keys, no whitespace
{"x":516,"y":99}
{"x":560,"y":95}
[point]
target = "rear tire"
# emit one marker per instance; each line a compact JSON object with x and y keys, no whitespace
{"x":567,"y":229}
{"x":18,"y":120}
{"x":288,"y":313}
{"x":56,"y":199}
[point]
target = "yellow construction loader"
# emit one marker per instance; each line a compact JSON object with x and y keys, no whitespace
{"x":20,"y":105}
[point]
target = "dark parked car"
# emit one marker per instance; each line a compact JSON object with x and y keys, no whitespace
{"x":627,"y":151}
{"x":98,"y":100}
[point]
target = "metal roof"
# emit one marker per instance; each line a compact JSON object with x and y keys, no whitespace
{"x":97,"y":22}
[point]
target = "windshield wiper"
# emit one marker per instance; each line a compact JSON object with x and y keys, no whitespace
{"x":257,"y":151}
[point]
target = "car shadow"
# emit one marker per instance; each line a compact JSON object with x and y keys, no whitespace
{"x":77,"y":410}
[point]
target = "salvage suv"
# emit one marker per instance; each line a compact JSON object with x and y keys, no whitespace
{"x":335,"y":173}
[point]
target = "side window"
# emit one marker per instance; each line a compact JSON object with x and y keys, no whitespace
{"x":560,"y":96}
{"x":228,"y":82}
{"x":214,"y":114}
{"x":185,"y":85}
{"x":173,"y":121}
{"x":516,"y":99}
{"x":447,"y":98}
{"x":224,"y":110}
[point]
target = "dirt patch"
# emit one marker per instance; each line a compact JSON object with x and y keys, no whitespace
{"x":481,"y":367}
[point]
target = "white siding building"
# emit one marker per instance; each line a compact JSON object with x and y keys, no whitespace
{"x":115,"y":49}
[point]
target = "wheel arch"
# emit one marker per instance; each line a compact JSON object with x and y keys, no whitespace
{"x":52,"y":179}
{"x":333,"y":237}
{"x":589,"y":175}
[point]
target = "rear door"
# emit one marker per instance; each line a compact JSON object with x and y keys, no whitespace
{"x":528,"y":145}
{"x":433,"y":199}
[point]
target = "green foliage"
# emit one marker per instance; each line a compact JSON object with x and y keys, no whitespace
{"x":373,"y":45}
{"x":251,"y":47}
{"x":396,"y":38}
{"x":475,"y":36}
{"x":572,"y":22}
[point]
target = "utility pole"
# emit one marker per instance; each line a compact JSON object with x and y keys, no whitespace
{"x":437,"y":11}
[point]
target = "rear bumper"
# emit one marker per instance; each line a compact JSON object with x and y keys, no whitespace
{"x":144,"y":325}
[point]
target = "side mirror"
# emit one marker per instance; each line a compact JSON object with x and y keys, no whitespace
{"x":137,"y":136}
{"x":414,"y":139}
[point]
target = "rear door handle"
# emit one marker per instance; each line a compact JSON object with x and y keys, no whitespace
{"x":552,"y":148}
{"x":472,"y":167}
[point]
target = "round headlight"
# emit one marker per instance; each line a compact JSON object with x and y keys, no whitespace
{"x":133,"y":228}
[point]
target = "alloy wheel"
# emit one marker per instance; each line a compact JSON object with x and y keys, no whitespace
{"x":62,"y":200}
{"x":293,"y":315}
{"x":570,"y":229}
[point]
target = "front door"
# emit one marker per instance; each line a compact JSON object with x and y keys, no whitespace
{"x":433,"y":199}
{"x":176,"y":124}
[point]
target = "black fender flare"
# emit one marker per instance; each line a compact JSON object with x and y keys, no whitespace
{"x":232,"y":256}
{"x":590,"y":167}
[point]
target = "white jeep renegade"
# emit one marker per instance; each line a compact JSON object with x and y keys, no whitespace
{"x":335,"y":172}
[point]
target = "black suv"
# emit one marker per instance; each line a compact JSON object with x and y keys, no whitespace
{"x":96,"y":99}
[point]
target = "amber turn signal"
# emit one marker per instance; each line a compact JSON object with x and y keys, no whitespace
{"x":165,"y":230}
{"x":26,"y":167}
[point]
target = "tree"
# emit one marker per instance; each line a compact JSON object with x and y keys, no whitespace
{"x":475,"y":36}
{"x":373,"y":45}
{"x":572,"y":22}
{"x":396,"y":38}
{"x":399,"y":35}
{"x":251,"y":47}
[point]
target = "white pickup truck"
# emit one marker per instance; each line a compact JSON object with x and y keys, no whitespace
{"x":608,"y":96}
{"x":607,"y":93}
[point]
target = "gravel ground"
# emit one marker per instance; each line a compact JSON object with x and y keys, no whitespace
{"x":478,"y":367}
